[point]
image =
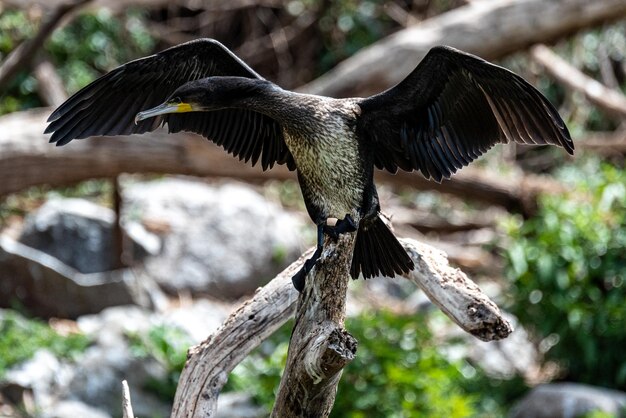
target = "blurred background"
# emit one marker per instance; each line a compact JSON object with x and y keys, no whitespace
{"x":117,"y":254}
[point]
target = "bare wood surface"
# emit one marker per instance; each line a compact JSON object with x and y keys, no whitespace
{"x":606,"y":143}
{"x":610,"y":100}
{"x":25,"y":154}
{"x":513,"y":25}
{"x":23,"y":55}
{"x":209,"y":363}
{"x":320,"y":347}
{"x":51,"y":89}
{"x":127,"y":407}
{"x":455,"y":294}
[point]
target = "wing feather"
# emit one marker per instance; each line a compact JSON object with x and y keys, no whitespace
{"x":108,"y":105}
{"x":451,"y":109}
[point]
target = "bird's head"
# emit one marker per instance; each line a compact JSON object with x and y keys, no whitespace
{"x":206,"y":94}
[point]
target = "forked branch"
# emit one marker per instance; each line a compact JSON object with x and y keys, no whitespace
{"x":320,"y":346}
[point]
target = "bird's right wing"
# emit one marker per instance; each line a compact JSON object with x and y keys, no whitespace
{"x":452,"y":108}
{"x":108,"y":105}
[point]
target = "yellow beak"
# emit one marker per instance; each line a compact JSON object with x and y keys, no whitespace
{"x":163,"y":109}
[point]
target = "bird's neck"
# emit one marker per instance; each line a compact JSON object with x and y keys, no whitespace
{"x":292,"y":110}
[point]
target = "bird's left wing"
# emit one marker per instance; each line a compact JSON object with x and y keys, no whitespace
{"x":452,"y":108}
{"x":108,"y":105}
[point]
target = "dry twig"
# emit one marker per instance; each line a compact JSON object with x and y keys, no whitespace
{"x":609,"y":100}
{"x":23,"y":55}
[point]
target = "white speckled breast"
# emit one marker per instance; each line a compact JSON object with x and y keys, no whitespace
{"x":328,"y":160}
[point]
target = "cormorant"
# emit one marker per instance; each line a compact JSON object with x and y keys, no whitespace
{"x":452,"y":108}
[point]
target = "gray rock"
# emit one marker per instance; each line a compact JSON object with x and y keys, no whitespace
{"x":222,"y":240}
{"x":97,"y":381}
{"x":48,"y":287}
{"x":77,"y":232}
{"x":43,"y":376}
{"x":568,"y":400}
{"x":62,"y":264}
{"x":73,"y":409}
{"x":238,"y":405}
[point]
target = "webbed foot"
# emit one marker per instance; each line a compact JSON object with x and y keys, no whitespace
{"x":299,"y":279}
{"x":344,"y":225}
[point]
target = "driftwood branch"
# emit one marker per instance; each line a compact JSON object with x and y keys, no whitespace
{"x":513,"y":25}
{"x":51,"y":89}
{"x":609,"y":100}
{"x":24,"y":150}
{"x":127,"y":407}
{"x":455,"y":294}
{"x":320,"y":347}
{"x":209,"y":363}
{"x":23,"y":55}
{"x":606,"y":143}
{"x":320,"y":359}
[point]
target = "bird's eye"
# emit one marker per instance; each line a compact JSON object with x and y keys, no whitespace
{"x":176,"y":100}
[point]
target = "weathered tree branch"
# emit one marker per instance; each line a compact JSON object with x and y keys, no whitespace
{"x":609,"y":100}
{"x":321,"y":358}
{"x":24,"y":150}
{"x":23,"y":55}
{"x":606,"y":143}
{"x":127,"y":407}
{"x":51,"y":89}
{"x":209,"y":363}
{"x":320,"y":347}
{"x":513,"y":25}
{"x":455,"y":294}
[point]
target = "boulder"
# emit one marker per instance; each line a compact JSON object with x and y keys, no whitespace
{"x":79,"y":233}
{"x":50,"y":288}
{"x":223,"y":240}
{"x":568,"y":400}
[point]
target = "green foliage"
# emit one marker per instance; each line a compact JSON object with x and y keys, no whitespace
{"x":90,"y":45}
{"x":599,"y":414}
{"x":398,"y":372}
{"x":568,"y":270}
{"x":95,"y":43}
{"x":22,"y":337}
{"x":167,"y":345}
{"x":348,"y":26}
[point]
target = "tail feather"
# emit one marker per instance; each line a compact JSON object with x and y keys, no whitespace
{"x":377,"y":251}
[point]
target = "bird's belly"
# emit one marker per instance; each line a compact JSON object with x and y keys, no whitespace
{"x":330,"y":174}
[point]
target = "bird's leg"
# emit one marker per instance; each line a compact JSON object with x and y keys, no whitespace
{"x":346,"y":224}
{"x":299,"y":278}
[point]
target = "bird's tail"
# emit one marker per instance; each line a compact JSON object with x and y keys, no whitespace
{"x":378,"y":252}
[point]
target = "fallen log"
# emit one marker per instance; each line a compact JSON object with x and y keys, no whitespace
{"x":610,"y":100}
{"x":26,"y":159}
{"x":512,"y":25}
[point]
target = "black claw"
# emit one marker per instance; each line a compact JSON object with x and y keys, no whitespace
{"x":299,"y":279}
{"x":346,"y":224}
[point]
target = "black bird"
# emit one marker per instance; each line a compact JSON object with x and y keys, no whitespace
{"x":452,"y":108}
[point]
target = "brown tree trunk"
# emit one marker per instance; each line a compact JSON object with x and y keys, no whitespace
{"x":26,"y":159}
